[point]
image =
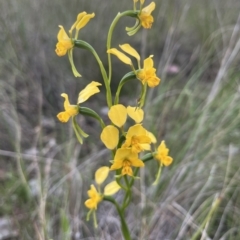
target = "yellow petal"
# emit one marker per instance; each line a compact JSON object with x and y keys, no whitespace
{"x":148,"y":9}
{"x":63,"y":117}
{"x":110,"y":137}
{"x":83,"y":22}
{"x":120,"y":55}
{"x":89,"y":203}
{"x":135,"y":113}
{"x":127,"y":171}
{"x":153,"y":81}
{"x":123,"y":154}
{"x":79,"y":17}
{"x":118,"y":115}
{"x":136,"y":130}
{"x":117,"y":164}
{"x":92,"y":192}
{"x":130,"y":50}
{"x":145,"y":146}
{"x":148,"y":63}
{"x":167,"y":161}
{"x":88,"y":91}
{"x":136,"y":162}
{"x":101,"y":174}
{"x":111,"y":188}
{"x":162,"y":146}
{"x":71,"y":109}
{"x":62,"y":35}
{"x":152,"y":137}
{"x":63,"y":47}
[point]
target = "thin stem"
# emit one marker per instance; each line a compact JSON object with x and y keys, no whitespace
{"x":145,"y":158}
{"x":124,"y":227}
{"x":109,"y":37}
{"x":85,"y":45}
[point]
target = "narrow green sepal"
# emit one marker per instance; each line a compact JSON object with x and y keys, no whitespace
{"x":132,"y":28}
{"x":134,"y":31}
{"x":74,"y":70}
{"x":89,"y":112}
{"x":158,"y":175}
{"x":78,"y":131}
{"x":89,"y":214}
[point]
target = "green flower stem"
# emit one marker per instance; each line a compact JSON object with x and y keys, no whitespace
{"x":127,"y":197}
{"x":118,"y":179}
{"x":147,"y":157}
{"x":89,"y":112}
{"x":124,"y":227}
{"x":127,"y":77}
{"x":85,"y":45}
{"x":129,"y":13}
{"x":143,"y":95}
{"x":158,"y":174}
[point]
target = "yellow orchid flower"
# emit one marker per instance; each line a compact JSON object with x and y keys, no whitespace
{"x":72,"y":110}
{"x":65,"y":43}
{"x":95,"y":196}
{"x":147,"y":74}
{"x":137,"y":139}
{"x":124,"y":159}
{"x":162,"y":155}
{"x":118,"y":116}
{"x":145,"y":16}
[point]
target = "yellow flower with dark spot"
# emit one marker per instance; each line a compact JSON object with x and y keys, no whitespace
{"x":162,"y":155}
{"x":145,"y":15}
{"x":124,"y":159}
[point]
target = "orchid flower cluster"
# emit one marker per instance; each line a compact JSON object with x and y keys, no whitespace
{"x":131,"y":147}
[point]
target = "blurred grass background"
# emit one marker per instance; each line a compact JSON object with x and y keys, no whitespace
{"x":195,"y":110}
